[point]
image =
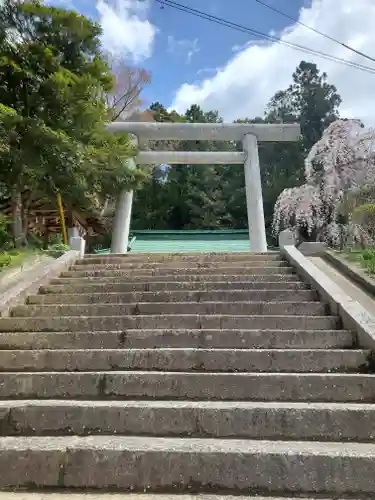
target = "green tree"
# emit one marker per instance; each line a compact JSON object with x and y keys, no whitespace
{"x":313,"y":103}
{"x":310,"y":100}
{"x":153,"y":202}
{"x":182,"y":196}
{"x":160,"y":114}
{"x":53,"y":83}
{"x":213,"y":196}
{"x":196,"y":190}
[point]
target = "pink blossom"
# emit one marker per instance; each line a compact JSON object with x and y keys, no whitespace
{"x":343,"y":159}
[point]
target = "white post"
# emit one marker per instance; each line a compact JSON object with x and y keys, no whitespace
{"x":254,"y":198}
{"x":121,"y":223}
{"x":72,"y":233}
{"x":78,"y":243}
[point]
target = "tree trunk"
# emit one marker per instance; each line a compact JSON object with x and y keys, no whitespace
{"x":46,"y":237}
{"x":17,"y":221}
{"x":25,"y":216}
{"x":69,"y":215}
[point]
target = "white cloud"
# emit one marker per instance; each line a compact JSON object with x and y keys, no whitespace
{"x":248,"y":80}
{"x":249,"y":43}
{"x":126,"y":30}
{"x":183,"y":46}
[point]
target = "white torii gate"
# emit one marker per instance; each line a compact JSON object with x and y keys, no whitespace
{"x":248,"y":133}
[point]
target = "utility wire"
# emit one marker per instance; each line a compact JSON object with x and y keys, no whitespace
{"x":329,"y":37}
{"x":244,"y":29}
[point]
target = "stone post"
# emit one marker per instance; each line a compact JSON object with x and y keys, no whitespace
{"x":78,"y":243}
{"x":73,"y":233}
{"x":121,"y":223}
{"x":287,"y":237}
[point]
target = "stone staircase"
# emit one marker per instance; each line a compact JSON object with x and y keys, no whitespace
{"x":181,"y":373}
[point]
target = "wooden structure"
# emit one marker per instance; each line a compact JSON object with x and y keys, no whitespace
{"x":43,"y":219}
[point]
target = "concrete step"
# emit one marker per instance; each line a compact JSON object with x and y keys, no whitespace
{"x":170,"y":265}
{"x":175,"y":296}
{"x":170,"y":321}
{"x":203,"y":419}
{"x":73,"y":495}
{"x":239,"y":339}
{"x":68,"y":494}
{"x":138,"y":463}
{"x":311,"y":387}
{"x":181,"y":257}
{"x":95,"y":286}
{"x":180,"y":272}
{"x":156,"y":308}
{"x":184,"y":360}
{"x":108,"y":281}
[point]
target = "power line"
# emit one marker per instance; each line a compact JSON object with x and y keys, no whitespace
{"x":244,"y":29}
{"x":329,"y":37}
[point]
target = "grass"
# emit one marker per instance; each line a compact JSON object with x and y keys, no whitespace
{"x":365,"y":258}
{"x":13,"y":258}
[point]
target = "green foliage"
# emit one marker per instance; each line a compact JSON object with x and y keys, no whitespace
{"x":368,"y":254}
{"x":352,"y":200}
{"x":189,"y":195}
{"x":365,"y":258}
{"x":367,"y":209}
{"x":160,"y":114}
{"x":5,"y":259}
{"x":313,"y":103}
{"x":12,"y":258}
{"x":211,"y":196}
{"x":4,"y":231}
{"x":364,"y":215}
{"x":310,"y":100}
{"x":56,"y":250}
{"x":370,"y":266}
{"x":53,"y":112}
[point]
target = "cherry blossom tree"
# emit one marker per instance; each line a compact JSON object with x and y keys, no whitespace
{"x":342,"y":161}
{"x":125,"y":98}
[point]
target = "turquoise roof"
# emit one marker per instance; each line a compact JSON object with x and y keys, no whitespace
{"x":190,"y":240}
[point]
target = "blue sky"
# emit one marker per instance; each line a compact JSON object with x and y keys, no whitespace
{"x":214,"y":43}
{"x":195,"y":61}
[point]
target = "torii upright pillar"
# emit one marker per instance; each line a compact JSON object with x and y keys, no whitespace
{"x":121,"y":222}
{"x":254,"y":198}
{"x":122,"y":219}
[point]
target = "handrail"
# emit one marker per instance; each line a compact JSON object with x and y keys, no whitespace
{"x":130,"y":244}
{"x":108,"y":250}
